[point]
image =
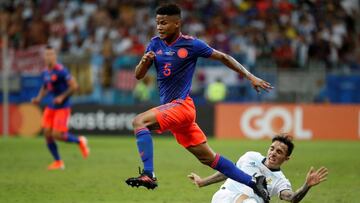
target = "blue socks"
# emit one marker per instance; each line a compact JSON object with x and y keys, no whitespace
{"x":51,"y":144}
{"x":145,"y":148}
{"x":53,"y":148}
{"x":68,"y":137}
{"x":223,"y":165}
{"x":230,"y":170}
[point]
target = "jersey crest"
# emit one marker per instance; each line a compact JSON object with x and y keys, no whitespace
{"x":53,"y":77}
{"x":182,"y":53}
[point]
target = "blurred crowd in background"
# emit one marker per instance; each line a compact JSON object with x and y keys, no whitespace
{"x":284,"y":35}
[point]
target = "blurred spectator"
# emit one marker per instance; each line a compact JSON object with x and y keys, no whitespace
{"x":216,"y":91}
{"x":319,"y":49}
{"x":282,"y":29}
{"x":37,"y":31}
{"x":263,"y":33}
{"x":301,"y":50}
{"x":283,"y":53}
{"x":108,"y":59}
{"x":322,"y":96}
{"x":198,"y":87}
{"x":144,"y":89}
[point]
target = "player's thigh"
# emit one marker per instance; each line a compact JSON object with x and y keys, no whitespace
{"x":174,"y":114}
{"x":48,"y":118}
{"x":191,"y":136}
{"x":61,"y":119}
{"x":224,"y":196}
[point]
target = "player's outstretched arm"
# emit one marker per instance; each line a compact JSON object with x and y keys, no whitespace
{"x":201,"y":182}
{"x":144,"y":65}
{"x":41,"y":94}
{"x":230,"y":62}
{"x":313,"y":178}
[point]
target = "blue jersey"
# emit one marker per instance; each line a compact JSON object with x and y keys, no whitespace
{"x":175,"y":64}
{"x":55,"y":82}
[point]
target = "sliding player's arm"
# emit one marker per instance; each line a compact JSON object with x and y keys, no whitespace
{"x":313,"y":178}
{"x":144,"y":65}
{"x":201,"y":182}
{"x":234,"y":65}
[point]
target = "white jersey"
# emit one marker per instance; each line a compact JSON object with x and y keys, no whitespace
{"x":252,"y":164}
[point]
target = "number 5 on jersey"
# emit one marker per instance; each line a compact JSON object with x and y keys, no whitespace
{"x":167,"y":70}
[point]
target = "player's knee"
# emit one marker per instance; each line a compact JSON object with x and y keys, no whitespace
{"x":204,"y":154}
{"x":138,"y":122}
{"x":206,"y":160}
{"x":56,"y":135}
{"x":48,"y":137}
{"x":47,"y":133}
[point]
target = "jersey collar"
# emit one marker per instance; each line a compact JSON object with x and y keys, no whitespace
{"x":172,"y":43}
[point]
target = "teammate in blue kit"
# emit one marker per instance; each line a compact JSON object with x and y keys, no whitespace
{"x":60,"y":85}
{"x":174,"y":56}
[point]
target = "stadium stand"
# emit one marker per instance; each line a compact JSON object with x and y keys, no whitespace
{"x":292,"y":43}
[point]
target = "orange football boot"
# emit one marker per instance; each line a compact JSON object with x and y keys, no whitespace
{"x":57,"y":165}
{"x":84,"y":148}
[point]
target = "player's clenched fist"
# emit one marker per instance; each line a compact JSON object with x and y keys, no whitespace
{"x":144,"y":64}
{"x":148,"y":57}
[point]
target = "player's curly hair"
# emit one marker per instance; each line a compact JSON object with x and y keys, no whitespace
{"x":287,"y":140}
{"x":169,"y":9}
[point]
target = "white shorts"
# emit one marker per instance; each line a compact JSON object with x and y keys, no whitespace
{"x":227,"y":196}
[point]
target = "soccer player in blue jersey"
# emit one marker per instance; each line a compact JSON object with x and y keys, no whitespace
{"x":174,"y":56}
{"x":60,"y":85}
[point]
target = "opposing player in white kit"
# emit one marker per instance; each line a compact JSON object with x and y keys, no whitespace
{"x":255,"y":164}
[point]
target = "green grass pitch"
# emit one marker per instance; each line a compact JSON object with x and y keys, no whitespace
{"x":24,"y":178}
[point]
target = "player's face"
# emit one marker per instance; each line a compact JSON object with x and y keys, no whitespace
{"x":167,"y":26}
{"x":50,"y":57}
{"x":277,"y":154}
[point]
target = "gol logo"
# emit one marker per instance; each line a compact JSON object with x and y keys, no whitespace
{"x":256,"y":122}
{"x":24,"y":119}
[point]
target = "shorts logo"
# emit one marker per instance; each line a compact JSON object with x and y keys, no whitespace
{"x":182,"y":53}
